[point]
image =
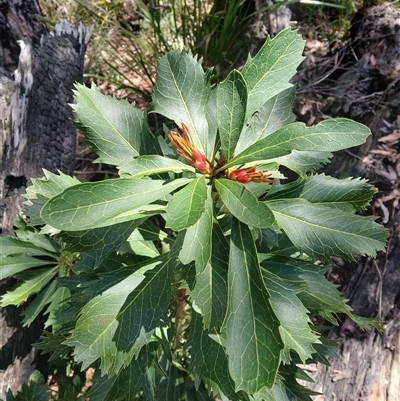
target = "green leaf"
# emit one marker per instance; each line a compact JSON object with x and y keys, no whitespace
{"x":57,"y":307}
{"x":112,"y":270}
{"x":318,"y":295}
{"x":99,"y":241}
{"x":295,"y":325}
{"x":322,"y":231}
{"x":251,"y":329}
{"x":138,"y":375}
{"x":151,"y":232}
{"x":231,"y":110}
{"x":98,"y":204}
{"x":271,"y":70}
{"x":187,"y":205}
{"x":269,"y":238}
{"x":303,"y":161}
{"x":110,"y":321}
{"x":197,"y":241}
{"x":51,"y":343}
{"x":293,"y":389}
{"x":41,"y":190}
{"x":115,"y":129}
{"x":50,"y":185}
{"x":144,"y":166}
{"x":243,"y":204}
{"x":327,"y":136}
{"x":210,"y":293}
{"x":347,"y":194}
{"x":211,"y":114}
{"x":327,"y":348}
{"x":170,"y":385}
{"x":284,"y":247}
{"x":11,"y":265}
{"x":14,"y":246}
{"x":274,"y":114}
{"x":92,"y":337}
{"x":31,"y":312}
{"x":181,"y":93}
{"x":29,"y":287}
{"x":154,"y":292}
{"x":50,"y":247}
{"x":32,"y":209}
{"x":31,"y":235}
{"x":142,"y":247}
{"x":35,"y":390}
{"x":208,"y":361}
{"x":286,"y":387}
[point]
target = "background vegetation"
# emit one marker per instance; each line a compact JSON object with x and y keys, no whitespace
{"x":129,"y":36}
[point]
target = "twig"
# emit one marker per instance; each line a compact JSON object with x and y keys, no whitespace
{"x":179,"y":316}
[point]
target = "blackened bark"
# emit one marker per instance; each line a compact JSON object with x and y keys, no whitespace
{"x":366,"y":88}
{"x":35,"y":127}
{"x":37,"y":73}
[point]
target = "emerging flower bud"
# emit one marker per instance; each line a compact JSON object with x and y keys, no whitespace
{"x":250,"y":174}
{"x":201,"y":162}
{"x":184,"y":147}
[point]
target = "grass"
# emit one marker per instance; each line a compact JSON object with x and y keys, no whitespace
{"x":129,"y":37}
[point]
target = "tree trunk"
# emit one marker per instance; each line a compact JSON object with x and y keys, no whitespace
{"x":366,"y":88}
{"x":37,"y":73}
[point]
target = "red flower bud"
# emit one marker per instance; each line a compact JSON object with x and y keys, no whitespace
{"x":239,"y":175}
{"x":247,"y":175}
{"x":184,"y":147}
{"x":200,"y":162}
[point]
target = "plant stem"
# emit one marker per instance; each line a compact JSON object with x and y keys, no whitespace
{"x":180,"y":316}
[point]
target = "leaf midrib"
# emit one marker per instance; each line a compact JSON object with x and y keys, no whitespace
{"x":106,"y":201}
{"x":269,"y":71}
{"x":257,"y":341}
{"x":290,"y":217}
{"x":189,"y":116}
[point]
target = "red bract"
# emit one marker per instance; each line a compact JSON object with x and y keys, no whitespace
{"x":247,"y":175}
{"x":184,"y":147}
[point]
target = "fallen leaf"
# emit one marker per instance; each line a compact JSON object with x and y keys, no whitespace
{"x":391,"y":137}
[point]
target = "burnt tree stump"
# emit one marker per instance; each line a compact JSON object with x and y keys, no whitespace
{"x":37,"y":72}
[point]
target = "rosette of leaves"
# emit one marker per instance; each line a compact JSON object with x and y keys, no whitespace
{"x":197,"y":275}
